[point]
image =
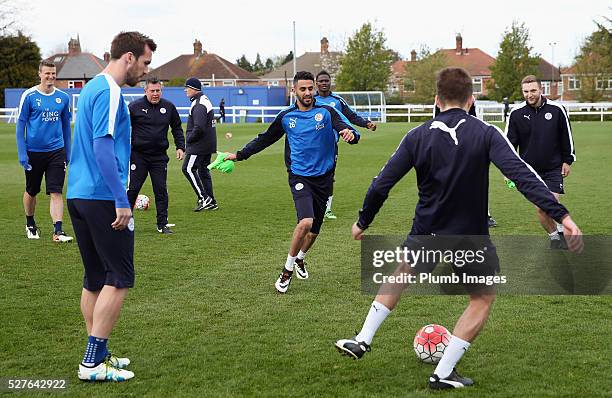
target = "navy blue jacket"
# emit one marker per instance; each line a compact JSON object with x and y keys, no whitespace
{"x":339,"y":104}
{"x":310,"y":143}
{"x":201,"y":126}
{"x":542,"y":135}
{"x":451,"y":155}
{"x":150,"y":124}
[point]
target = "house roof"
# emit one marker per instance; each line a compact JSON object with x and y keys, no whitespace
{"x":545,"y":71}
{"x":203,"y":67}
{"x":77,"y":66}
{"x":309,"y":61}
{"x":474,"y":60}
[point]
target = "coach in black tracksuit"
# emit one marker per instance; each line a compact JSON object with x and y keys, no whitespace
{"x":541,"y":131}
{"x":150,"y":118}
{"x":201,"y":144}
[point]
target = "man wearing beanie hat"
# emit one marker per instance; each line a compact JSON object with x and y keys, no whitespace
{"x":201,"y":143}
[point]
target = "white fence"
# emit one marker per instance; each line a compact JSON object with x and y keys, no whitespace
{"x":492,"y":112}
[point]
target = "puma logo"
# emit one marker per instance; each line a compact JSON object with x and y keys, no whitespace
{"x":528,"y":117}
{"x":452,"y":131}
{"x":373,"y":306}
{"x":145,"y":110}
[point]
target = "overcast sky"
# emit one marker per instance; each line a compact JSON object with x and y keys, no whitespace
{"x":235,"y":27}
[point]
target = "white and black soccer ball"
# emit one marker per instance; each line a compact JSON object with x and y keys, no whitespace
{"x":142,"y":202}
{"x":430,"y":342}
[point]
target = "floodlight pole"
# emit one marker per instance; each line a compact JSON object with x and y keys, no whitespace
{"x":552,"y":64}
{"x":294,"y":52}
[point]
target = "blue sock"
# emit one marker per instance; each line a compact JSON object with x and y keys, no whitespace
{"x":58,"y":226}
{"x":95,"y":352}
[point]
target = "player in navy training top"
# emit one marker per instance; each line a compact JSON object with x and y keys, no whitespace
{"x":43,"y":147}
{"x":326,"y":96}
{"x":310,"y":133}
{"x":451,"y":155}
{"x":98,"y":203}
{"x":541,"y":131}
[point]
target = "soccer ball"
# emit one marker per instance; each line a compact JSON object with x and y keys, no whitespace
{"x":228,"y":136}
{"x":430,"y":342}
{"x":142,"y":202}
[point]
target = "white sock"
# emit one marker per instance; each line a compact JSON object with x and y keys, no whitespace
{"x":329,"y":202}
{"x":554,"y":235}
{"x":452,"y":354}
{"x":301,"y":255}
{"x":289,"y":263}
{"x":559,"y":228}
{"x":378,"y":313}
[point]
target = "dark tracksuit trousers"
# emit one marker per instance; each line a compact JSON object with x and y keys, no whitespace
{"x":156,"y":166}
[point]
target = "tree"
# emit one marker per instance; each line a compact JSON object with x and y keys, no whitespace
{"x":19,"y":59}
{"x":176,"y":82}
{"x":244,"y":63}
{"x":288,"y":58}
{"x":269,"y":65}
{"x":594,"y":65}
{"x":514,"y":61}
{"x":258,"y":66}
{"x":420,"y":76}
{"x":366,"y":66}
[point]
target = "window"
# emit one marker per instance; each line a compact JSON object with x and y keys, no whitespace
{"x":409,"y":85}
{"x":228,"y":82}
{"x":546,"y":88}
{"x":573,"y":83}
{"x":206,"y":84}
{"x":604,"y":83}
{"x":477,"y":85}
{"x":560,"y":88}
{"x":58,"y":59}
{"x":75,"y":84}
{"x":273,"y":83}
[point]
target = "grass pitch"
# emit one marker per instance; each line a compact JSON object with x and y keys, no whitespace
{"x":204,"y":320}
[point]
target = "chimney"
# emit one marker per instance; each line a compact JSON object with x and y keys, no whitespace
{"x":413,"y":56}
{"x":458,"y":43}
{"x":107,"y":57}
{"x":74,"y":46}
{"x":324,"y":45}
{"x":197,"y":48}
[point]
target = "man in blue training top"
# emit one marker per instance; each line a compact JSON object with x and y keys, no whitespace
{"x":310,"y":157}
{"x":98,"y":203}
{"x":325,"y":96}
{"x":43,"y":148}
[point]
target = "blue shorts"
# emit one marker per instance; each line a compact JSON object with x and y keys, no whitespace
{"x":108,"y":255}
{"x":310,"y":197}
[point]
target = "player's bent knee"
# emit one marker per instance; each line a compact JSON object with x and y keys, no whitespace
{"x":305,"y":224}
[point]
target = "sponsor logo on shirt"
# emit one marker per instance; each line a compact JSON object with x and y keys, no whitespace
{"x":548,"y":116}
{"x":319,"y":126}
{"x":50,"y":116}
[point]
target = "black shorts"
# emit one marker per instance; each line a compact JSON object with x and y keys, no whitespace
{"x":108,"y":255}
{"x":50,"y":164}
{"x":469,"y":255}
{"x":553,"y":180}
{"x":310,"y":197}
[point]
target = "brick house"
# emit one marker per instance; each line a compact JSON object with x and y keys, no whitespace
{"x":75,"y":68}
{"x":571,"y":85}
{"x":312,"y":62}
{"x":211,"y":69}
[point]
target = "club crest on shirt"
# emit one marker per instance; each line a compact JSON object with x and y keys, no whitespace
{"x":162,"y":111}
{"x":58,"y":100}
{"x":133,"y":167}
{"x":318,"y":117}
{"x":332,"y":104}
{"x":548,"y":116}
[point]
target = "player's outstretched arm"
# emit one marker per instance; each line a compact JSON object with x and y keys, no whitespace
{"x":573,"y":235}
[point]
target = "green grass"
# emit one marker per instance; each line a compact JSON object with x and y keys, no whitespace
{"x":203,"y":319}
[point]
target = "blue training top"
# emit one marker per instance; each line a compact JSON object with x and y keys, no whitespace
{"x":44,"y":121}
{"x":310,"y":145}
{"x":102,"y":112}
